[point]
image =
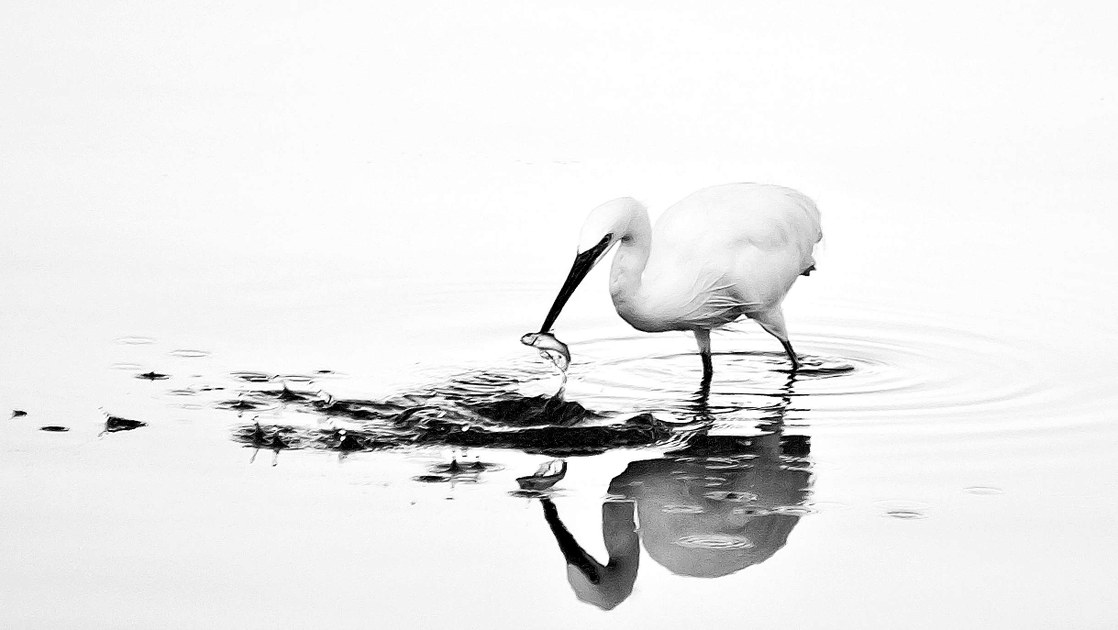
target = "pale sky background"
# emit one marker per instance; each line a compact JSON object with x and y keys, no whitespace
{"x":159,"y":131}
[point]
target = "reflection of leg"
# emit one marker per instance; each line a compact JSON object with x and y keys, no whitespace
{"x":773,"y":323}
{"x":702,"y":397}
{"x":574,"y":554}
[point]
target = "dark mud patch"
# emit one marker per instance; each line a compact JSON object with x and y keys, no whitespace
{"x":542,"y":425}
{"x":479,"y":409}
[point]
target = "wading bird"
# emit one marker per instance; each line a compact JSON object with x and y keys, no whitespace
{"x":719,"y":254}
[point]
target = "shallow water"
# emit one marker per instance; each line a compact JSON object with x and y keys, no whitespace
{"x":257,"y":372}
{"x":910,"y":461}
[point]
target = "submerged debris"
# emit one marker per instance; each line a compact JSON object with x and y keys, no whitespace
{"x":287,"y":395}
{"x":18,"y":413}
{"x":454,"y":471}
{"x":240,"y":404}
{"x":54,"y":428}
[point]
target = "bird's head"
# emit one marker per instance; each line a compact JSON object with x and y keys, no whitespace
{"x":607,"y":225}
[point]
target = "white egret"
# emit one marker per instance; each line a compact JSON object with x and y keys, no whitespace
{"x":721,"y":253}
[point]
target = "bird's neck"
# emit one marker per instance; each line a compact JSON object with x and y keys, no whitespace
{"x":627,"y":273}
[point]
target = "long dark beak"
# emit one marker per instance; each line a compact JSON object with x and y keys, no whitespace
{"x":584,"y":262}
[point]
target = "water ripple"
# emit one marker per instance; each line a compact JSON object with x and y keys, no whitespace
{"x":855,"y":373}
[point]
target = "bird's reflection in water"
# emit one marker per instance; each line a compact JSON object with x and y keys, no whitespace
{"x":606,"y":585}
{"x":712,"y":508}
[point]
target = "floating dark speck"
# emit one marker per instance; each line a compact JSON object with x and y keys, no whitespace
{"x":240,"y":404}
{"x":277,"y":441}
{"x":455,"y":467}
{"x":153,"y":376}
{"x":114,"y":424}
{"x":347,"y":442}
{"x":287,"y":395}
{"x":54,"y":428}
{"x":18,"y":413}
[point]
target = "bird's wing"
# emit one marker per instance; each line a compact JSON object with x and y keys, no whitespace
{"x":756,"y":215}
{"x":754,"y":238}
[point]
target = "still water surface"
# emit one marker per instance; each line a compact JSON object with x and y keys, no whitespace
{"x":927,"y":468}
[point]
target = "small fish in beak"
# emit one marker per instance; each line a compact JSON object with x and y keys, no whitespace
{"x":550,"y":348}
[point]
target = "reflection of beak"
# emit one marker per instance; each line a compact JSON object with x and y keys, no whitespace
{"x":584,"y":262}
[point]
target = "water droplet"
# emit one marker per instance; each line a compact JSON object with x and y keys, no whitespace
{"x":252,"y":377}
{"x":984,"y":490}
{"x":903,"y":509}
{"x":135,"y":340}
{"x":682,"y":509}
{"x":190,"y":354}
{"x":714,"y":541}
{"x":905,"y":514}
{"x":794,"y":510}
{"x":721,"y":463}
{"x":296,"y":378}
{"x":730,"y":495}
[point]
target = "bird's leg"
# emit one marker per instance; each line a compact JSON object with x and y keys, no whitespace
{"x":702,"y":337}
{"x":773,"y":323}
{"x":791,"y":354}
